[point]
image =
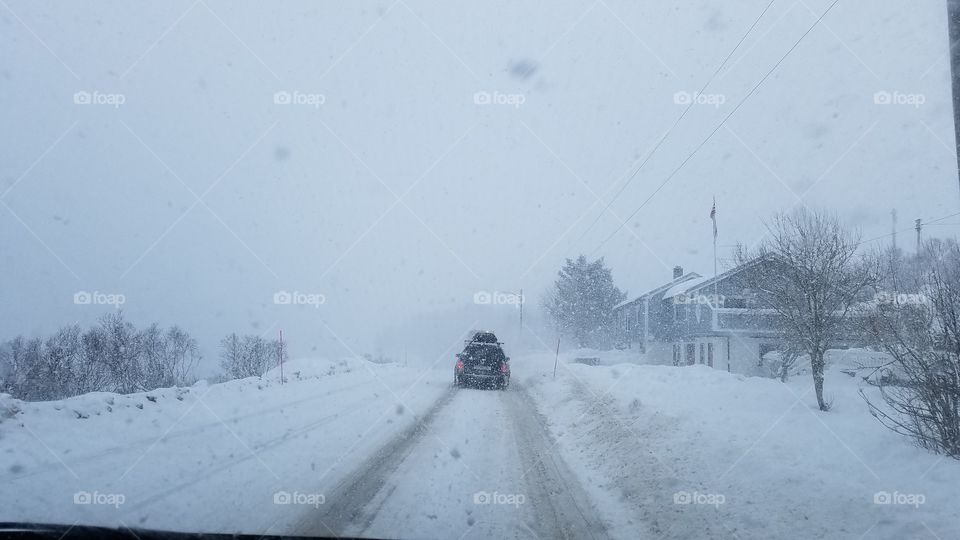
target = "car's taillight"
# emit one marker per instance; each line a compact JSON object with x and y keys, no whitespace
{"x":460,"y":365}
{"x":504,"y":368}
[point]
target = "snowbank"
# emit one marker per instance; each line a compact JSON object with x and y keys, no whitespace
{"x":222,"y":450}
{"x":694,"y":451}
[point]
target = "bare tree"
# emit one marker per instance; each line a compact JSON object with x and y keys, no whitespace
{"x":922,"y":335}
{"x":182,"y":355}
{"x":231,"y":357}
{"x":153,"y":363}
{"x":13,"y":365}
{"x":92,"y":373}
{"x":259,"y":355}
{"x":39,"y":369}
{"x":167,"y":358}
{"x":22,"y":363}
{"x":59,"y":358}
{"x":812,"y":278}
{"x":248,"y":356}
{"x":121,"y":353}
{"x":112,"y":356}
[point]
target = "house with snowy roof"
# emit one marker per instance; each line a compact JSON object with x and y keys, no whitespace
{"x":693,"y":319}
{"x":639,"y":320}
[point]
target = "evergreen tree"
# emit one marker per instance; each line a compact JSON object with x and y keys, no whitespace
{"x":581,"y":301}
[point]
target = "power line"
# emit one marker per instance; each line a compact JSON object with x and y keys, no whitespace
{"x":720,"y":125}
{"x":925,"y":223}
{"x":689,"y":106}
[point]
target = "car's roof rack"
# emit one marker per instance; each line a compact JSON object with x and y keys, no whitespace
{"x":469,"y":341}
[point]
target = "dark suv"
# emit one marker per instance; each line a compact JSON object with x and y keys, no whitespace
{"x":482,"y":363}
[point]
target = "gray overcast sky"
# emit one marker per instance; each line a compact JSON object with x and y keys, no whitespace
{"x":199,"y":197}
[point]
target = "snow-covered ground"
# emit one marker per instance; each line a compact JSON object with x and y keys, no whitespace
{"x":349,"y":447}
{"x":207,"y":458}
{"x":697,"y":452}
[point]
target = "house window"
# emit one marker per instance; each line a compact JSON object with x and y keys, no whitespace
{"x":764,"y":349}
{"x":739,"y":303}
{"x":702,"y":353}
{"x":691,"y":354}
{"x":710,"y":354}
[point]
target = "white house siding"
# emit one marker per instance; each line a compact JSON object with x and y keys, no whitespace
{"x":735,"y":353}
{"x":660,"y":353}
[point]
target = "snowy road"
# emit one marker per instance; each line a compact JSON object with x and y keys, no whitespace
{"x":351,"y":448}
{"x":480,"y":464}
{"x":223,"y":451}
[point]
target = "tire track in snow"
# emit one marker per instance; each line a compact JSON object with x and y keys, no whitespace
{"x":346,"y":503}
{"x":399,"y":490}
{"x":646,"y":480}
{"x":551,"y":480}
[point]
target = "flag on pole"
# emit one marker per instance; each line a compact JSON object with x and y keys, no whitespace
{"x":713,"y":216}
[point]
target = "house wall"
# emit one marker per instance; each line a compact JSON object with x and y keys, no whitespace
{"x":659,"y":353}
{"x":735,"y":353}
{"x":739,"y":330}
{"x":745,"y":353}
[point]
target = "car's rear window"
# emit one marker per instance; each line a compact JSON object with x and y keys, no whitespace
{"x":490,"y":351}
{"x":485,"y":337}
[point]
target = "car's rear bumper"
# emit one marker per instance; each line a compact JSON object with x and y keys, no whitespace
{"x":482,"y":376}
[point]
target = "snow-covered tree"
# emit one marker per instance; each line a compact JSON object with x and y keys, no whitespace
{"x":122,"y":349}
{"x":167,"y":358}
{"x":181,"y":354}
{"x":111,"y":356}
{"x":921,"y":391}
{"x":248,"y":356}
{"x":813,"y":278}
{"x":581,"y":301}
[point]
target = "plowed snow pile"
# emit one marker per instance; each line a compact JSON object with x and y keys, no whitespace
{"x":694,"y":451}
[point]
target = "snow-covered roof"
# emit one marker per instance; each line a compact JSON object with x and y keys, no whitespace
{"x":682,"y":279}
{"x":693,"y":286}
{"x":685,"y":286}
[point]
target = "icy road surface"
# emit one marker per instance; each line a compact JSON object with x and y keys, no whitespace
{"x":480,"y":462}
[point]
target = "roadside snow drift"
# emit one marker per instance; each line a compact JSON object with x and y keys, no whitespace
{"x":248,"y":455}
{"x":684,"y":452}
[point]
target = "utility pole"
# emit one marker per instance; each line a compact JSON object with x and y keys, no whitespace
{"x":893,"y":216}
{"x":953,"y":21}
{"x":919,"y":228}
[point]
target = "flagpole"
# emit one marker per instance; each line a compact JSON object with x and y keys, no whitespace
{"x":715,"y":297}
